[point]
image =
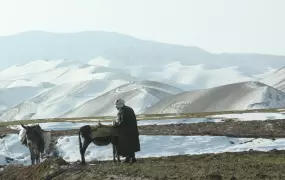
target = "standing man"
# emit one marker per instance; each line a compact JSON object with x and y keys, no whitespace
{"x":128,"y":141}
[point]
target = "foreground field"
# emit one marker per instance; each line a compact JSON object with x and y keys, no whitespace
{"x":230,"y":166}
{"x":245,"y":165}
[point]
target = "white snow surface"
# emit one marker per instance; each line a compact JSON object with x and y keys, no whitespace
{"x":100,"y":61}
{"x":60,"y":99}
{"x":137,"y":94}
{"x":10,"y":97}
{"x":276,"y":79}
{"x":154,"y":146}
{"x":66,"y":88}
{"x":199,"y":76}
{"x":60,"y":72}
{"x":252,"y":116}
{"x":11,"y":147}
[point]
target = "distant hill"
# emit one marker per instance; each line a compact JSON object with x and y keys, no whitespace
{"x":237,"y":96}
{"x":121,"y":50}
{"x":139,"y":95}
{"x":47,"y":75}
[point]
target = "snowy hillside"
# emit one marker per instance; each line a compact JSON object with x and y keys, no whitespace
{"x":197,"y":76}
{"x":15,"y":95}
{"x":56,"y":72}
{"x":47,"y":89}
{"x":59,"y":72}
{"x":276,"y":79}
{"x":237,"y":96}
{"x":60,"y":99}
{"x":47,"y":75}
{"x":138,"y":95}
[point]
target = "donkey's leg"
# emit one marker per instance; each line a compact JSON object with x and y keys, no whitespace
{"x":86,"y":143}
{"x":37,"y":153}
{"x":114,"y":153}
{"x":118,"y":156}
{"x":117,"y":153}
{"x":115,"y":149}
{"x":32,"y":154}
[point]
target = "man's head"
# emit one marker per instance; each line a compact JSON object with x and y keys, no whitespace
{"x":119,"y":103}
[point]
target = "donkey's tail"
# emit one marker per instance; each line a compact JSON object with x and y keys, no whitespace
{"x":79,"y":138}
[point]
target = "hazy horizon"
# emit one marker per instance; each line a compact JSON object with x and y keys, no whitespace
{"x":219,"y":26}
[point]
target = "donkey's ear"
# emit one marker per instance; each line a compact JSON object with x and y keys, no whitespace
{"x":23,"y":126}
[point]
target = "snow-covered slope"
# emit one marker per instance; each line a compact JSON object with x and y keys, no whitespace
{"x":58,"y":72}
{"x":138,"y":95}
{"x":60,"y":99}
{"x":12,"y":96}
{"x":237,"y":96}
{"x":276,"y":79}
{"x":79,"y":67}
{"x":77,"y":89}
{"x":197,"y":76}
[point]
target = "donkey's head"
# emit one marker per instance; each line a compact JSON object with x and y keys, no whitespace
{"x":32,"y":136}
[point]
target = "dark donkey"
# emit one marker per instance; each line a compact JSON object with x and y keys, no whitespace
{"x":100,"y":135}
{"x":35,"y":139}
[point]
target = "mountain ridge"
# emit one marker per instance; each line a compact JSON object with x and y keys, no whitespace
{"x":58,"y":101}
{"x":242,"y":96}
{"x":61,"y":64}
{"x":119,"y":49}
{"x":276,"y":79}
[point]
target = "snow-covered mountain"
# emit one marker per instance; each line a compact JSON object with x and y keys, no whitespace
{"x":65,"y":88}
{"x":58,"y":72}
{"x":60,"y":99}
{"x":139,"y":95}
{"x":12,"y":96}
{"x":197,"y":76}
{"x":88,"y":98}
{"x":121,"y":50}
{"x":276,"y":79}
{"x":81,"y":74}
{"x":105,"y":55}
{"x":241,"y":96}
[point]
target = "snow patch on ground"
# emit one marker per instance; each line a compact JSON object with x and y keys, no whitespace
{"x":251,"y":116}
{"x":11,"y":147}
{"x":13,"y":152}
{"x":155,"y":146}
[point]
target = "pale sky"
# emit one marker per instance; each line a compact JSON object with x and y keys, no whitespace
{"x":247,"y":26}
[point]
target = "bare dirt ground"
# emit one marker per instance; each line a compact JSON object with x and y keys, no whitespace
{"x":256,"y":129}
{"x":225,"y":166}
